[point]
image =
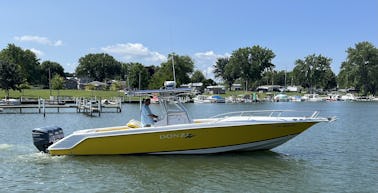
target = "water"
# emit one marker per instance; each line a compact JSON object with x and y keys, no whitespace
{"x":341,"y":156}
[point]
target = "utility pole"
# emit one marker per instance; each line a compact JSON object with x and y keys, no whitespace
{"x":173,"y":68}
{"x":50,"y":81}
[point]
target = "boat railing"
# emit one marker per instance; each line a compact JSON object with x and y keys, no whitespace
{"x":270,"y":113}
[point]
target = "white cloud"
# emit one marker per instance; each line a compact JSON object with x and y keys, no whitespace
{"x":206,"y":60}
{"x":39,"y":40}
{"x":39,"y":53}
{"x":135,"y":52}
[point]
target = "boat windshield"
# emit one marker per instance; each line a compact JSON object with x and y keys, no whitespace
{"x":173,"y":112}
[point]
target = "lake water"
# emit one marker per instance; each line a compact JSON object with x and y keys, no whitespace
{"x":340,"y":156}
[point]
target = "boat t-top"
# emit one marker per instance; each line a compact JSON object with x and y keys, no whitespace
{"x":177,"y":133}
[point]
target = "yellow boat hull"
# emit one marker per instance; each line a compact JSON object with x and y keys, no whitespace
{"x":192,"y":140}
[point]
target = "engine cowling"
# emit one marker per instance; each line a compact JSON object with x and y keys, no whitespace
{"x":45,"y":136}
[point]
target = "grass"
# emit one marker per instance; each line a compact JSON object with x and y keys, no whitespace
{"x":45,"y":93}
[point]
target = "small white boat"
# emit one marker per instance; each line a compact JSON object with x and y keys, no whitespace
{"x":348,"y":97}
{"x":312,"y":98}
{"x":281,"y":98}
{"x":201,"y":99}
{"x":177,"y":133}
{"x":296,"y":99}
{"x":10,"y":102}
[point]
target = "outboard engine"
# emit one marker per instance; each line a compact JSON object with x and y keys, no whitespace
{"x":45,"y":136}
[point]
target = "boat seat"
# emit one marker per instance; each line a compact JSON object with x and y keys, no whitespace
{"x":134,"y":124}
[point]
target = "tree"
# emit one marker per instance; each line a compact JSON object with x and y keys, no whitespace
{"x":99,"y":67}
{"x":314,"y":72}
{"x":57,"y":82}
{"x":361,"y":68}
{"x":10,"y":76}
{"x":184,"y":66}
{"x":137,"y":70}
{"x":229,"y":73}
{"x":219,"y":67}
{"x":116,"y":86}
{"x":50,"y":69}
{"x":273,"y":77}
{"x":252,"y":62}
{"x":25,"y":59}
{"x":198,"y":76}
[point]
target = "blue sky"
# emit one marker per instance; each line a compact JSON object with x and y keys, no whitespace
{"x":147,"y":31}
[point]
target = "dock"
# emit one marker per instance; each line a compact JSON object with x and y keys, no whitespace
{"x":81,"y":105}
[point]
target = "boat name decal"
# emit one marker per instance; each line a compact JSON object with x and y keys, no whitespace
{"x":176,"y":136}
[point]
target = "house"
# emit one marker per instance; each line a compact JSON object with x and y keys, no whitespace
{"x":98,"y":85}
{"x":70,"y":83}
{"x":196,"y":87}
{"x":235,"y":87}
{"x":83,"y":82}
{"x":270,"y":88}
{"x":218,"y":89}
{"x":293,"y":89}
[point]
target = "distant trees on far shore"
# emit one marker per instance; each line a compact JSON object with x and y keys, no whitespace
{"x":249,"y":66}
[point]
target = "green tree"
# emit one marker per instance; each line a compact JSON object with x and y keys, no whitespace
{"x":116,"y":86}
{"x":124,"y":70}
{"x":273,"y":77}
{"x":228,"y":73}
{"x":184,"y":66}
{"x":252,"y":62}
{"x":231,"y":74}
{"x":25,"y":59}
{"x":10,"y":76}
{"x":347,"y":75}
{"x":57,"y":82}
{"x":361,"y":68}
{"x":219,"y":67}
{"x":198,"y":76}
{"x":99,"y":67}
{"x":50,"y":69}
{"x":314,"y":72}
{"x":137,"y":70}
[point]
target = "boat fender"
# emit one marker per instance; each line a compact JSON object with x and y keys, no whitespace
{"x":45,"y":136}
{"x":134,"y":124}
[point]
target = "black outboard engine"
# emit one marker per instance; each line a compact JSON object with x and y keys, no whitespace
{"x":45,"y":136}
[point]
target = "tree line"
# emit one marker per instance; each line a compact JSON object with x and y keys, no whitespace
{"x":252,"y":67}
{"x":249,"y":66}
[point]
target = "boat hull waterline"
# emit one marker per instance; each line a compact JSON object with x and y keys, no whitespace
{"x":179,"y":139}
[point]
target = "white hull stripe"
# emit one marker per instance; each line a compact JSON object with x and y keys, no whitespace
{"x":260,"y":145}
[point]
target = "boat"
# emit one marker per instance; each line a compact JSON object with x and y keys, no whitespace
{"x":177,"y":133}
{"x":312,"y":98}
{"x":348,"y":97}
{"x":295,"y":98}
{"x":281,"y":98}
{"x":201,"y":99}
{"x":9,"y":101}
{"x":216,"y":99}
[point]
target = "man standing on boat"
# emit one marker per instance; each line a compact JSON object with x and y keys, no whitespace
{"x":147,"y":117}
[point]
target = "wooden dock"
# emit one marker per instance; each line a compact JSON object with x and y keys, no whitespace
{"x":82,"y":105}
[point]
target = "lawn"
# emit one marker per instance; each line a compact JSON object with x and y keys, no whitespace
{"x":45,"y":93}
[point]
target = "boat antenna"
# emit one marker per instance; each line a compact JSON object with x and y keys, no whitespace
{"x":173,"y":68}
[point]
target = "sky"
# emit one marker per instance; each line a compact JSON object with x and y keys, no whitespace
{"x":146,"y":31}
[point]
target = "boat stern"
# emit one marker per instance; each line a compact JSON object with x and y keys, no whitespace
{"x":45,"y":136}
